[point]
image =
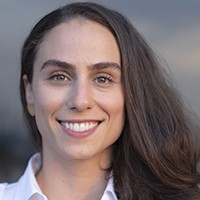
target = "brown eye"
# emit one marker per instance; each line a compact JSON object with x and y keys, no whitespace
{"x":103,"y":80}
{"x":60,"y":77}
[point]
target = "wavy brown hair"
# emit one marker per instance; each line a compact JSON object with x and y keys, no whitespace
{"x":156,"y":156}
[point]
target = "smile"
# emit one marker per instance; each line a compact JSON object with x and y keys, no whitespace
{"x":79,"y":127}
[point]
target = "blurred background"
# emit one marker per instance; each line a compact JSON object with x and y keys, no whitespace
{"x":171,"y":27}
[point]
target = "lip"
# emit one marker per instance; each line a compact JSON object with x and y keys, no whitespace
{"x":79,"y":128}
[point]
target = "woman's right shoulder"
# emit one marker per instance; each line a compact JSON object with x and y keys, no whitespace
{"x":2,"y":189}
{"x":7,"y":191}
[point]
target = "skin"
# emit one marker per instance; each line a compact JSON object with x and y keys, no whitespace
{"x":77,"y":79}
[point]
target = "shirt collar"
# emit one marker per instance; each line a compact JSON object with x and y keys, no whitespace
{"x":109,"y":193}
{"x":28,"y":183}
{"x":29,"y":188}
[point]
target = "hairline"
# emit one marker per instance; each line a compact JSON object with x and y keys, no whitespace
{"x":69,"y":19}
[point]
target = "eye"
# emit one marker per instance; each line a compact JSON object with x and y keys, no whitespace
{"x":59,"y":77}
{"x":103,"y":79}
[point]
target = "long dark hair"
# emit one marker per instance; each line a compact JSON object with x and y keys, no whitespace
{"x":156,"y":156}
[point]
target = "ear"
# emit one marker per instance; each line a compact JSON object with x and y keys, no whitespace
{"x":28,"y":90}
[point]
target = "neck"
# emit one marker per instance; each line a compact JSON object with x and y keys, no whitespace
{"x":77,"y":179}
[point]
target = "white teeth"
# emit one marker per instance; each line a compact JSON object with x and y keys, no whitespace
{"x":83,"y":127}
{"x":80,"y":127}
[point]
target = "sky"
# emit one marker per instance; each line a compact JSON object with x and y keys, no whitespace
{"x":172,"y":28}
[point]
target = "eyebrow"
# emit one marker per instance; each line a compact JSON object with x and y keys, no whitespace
{"x":58,"y":63}
{"x":104,"y":65}
{"x":69,"y":66}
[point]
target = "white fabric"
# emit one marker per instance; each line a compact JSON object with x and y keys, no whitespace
{"x":27,"y":187}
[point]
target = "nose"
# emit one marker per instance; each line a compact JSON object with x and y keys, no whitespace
{"x":80,"y":97}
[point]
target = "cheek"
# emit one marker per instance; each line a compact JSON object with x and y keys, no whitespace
{"x":112,"y":104}
{"x":115,"y":111}
{"x":47,"y":100}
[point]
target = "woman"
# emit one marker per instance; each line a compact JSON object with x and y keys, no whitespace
{"x":107,"y":123}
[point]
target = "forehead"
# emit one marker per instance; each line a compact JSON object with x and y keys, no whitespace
{"x":80,"y":37}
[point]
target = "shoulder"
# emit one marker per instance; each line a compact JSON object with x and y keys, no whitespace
{"x":7,"y":191}
{"x":27,"y":184}
{"x":2,"y":189}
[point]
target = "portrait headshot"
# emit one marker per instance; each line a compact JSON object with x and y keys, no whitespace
{"x":102,"y":111}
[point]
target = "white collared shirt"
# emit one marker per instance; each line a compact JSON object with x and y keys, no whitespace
{"x":27,"y":187}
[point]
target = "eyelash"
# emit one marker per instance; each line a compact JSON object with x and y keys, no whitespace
{"x":102,"y":79}
{"x":107,"y":79}
{"x":55,"y":77}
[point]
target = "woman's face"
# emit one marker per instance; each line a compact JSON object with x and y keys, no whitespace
{"x":77,"y":91}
